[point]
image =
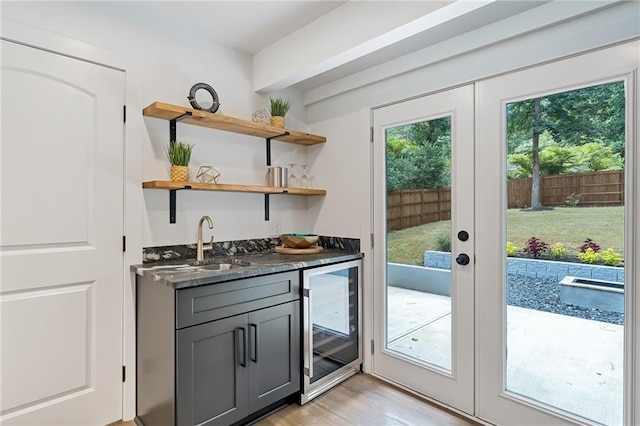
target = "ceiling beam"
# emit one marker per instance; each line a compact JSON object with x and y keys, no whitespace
{"x":347,"y":33}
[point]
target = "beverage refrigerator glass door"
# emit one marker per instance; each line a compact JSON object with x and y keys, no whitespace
{"x":331,"y":326}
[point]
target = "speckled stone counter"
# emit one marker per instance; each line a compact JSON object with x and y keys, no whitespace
{"x":181,"y":274}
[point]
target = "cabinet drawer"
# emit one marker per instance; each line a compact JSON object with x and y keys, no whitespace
{"x":211,"y":302}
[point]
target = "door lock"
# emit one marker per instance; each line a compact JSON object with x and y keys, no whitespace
{"x":463,"y":259}
{"x":463,"y":235}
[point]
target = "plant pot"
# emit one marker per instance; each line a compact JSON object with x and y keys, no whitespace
{"x":179,"y":173}
{"x":277,"y":121}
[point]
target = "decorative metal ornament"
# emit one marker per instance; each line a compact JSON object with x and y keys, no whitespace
{"x":260,"y":116}
{"x":207,"y":174}
{"x":214,"y":97}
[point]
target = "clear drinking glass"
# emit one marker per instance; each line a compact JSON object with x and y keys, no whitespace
{"x":293,"y":180}
{"x":304,"y":180}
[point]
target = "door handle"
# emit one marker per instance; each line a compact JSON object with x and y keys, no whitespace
{"x":463,"y":259}
{"x":308,"y":333}
{"x":254,"y":347}
{"x":241,"y":343}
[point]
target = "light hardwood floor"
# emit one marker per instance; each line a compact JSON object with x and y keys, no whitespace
{"x":364,"y":400}
{"x":361,"y":400}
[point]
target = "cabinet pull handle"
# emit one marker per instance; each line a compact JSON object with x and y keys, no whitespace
{"x":241,"y":343}
{"x":308,"y":333}
{"x":254,"y":346}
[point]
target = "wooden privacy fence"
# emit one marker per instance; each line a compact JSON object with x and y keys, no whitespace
{"x":595,"y":189}
{"x":417,"y":207}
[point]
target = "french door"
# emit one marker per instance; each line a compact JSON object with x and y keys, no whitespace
{"x":424,"y":333}
{"x":537,"y":365}
{"x":454,"y":319}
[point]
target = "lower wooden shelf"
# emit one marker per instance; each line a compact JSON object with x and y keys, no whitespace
{"x":199,"y":186}
{"x":172,"y":187}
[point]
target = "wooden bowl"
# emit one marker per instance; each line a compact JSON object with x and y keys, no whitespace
{"x":299,"y":241}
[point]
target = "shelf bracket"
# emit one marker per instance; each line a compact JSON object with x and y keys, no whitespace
{"x":269,"y":146}
{"x":172,"y":203}
{"x":266,"y":196}
{"x":172,"y":206}
{"x":172,"y":126}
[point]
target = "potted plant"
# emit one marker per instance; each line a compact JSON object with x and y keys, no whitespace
{"x":179,"y":155}
{"x":278,"y":107}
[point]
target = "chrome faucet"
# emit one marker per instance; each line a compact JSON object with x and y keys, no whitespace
{"x":201,"y":248}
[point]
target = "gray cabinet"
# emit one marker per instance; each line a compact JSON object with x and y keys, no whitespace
{"x":233,"y":348}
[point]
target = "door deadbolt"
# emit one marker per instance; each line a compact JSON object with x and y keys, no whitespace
{"x":463,"y":235}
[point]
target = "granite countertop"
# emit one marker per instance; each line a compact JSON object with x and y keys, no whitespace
{"x":181,"y":274}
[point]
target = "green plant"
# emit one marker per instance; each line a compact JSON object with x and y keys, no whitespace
{"x":536,"y":247}
{"x":511,"y":249}
{"x":558,"y":251}
{"x":279,"y":106}
{"x":573,"y":199}
{"x":443,"y":242}
{"x":179,"y":153}
{"x":589,"y":256}
{"x":611,"y":257}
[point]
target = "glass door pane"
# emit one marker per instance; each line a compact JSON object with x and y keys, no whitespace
{"x":565,"y":251}
{"x":418,"y":178}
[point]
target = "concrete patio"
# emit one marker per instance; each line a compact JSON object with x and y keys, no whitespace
{"x":572,"y":364}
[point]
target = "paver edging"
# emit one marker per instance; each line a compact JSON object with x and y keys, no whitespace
{"x":536,"y":268}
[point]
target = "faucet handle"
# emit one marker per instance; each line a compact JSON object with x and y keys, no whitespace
{"x":208,"y":246}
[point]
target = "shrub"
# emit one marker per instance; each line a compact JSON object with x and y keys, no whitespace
{"x":573,"y":199}
{"x":558,"y":251}
{"x":535,"y":247}
{"x":511,"y":249}
{"x":589,"y":244}
{"x":611,"y":257}
{"x":589,"y":256}
{"x":443,"y":242}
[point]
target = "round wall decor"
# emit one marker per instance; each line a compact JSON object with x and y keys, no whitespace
{"x":215,"y":102}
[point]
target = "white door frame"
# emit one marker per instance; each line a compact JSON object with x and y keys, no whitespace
{"x":133,"y":197}
{"x":454,"y":387}
{"x":619,"y":62}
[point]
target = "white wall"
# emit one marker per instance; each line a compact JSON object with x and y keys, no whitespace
{"x":169,"y":64}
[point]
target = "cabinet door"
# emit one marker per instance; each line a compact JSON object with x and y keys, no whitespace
{"x":274,"y":354}
{"x":212,"y":373}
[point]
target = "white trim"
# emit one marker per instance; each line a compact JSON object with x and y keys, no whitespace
{"x":133,"y":200}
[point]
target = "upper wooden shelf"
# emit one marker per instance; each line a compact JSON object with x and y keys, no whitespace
{"x":230,"y":124}
{"x":166,"y":184}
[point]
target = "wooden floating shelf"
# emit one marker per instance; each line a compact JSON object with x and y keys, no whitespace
{"x":230,"y":124}
{"x":199,"y":186}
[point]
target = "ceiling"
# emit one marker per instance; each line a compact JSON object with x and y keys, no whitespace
{"x":247,"y":26}
{"x":322,"y":46}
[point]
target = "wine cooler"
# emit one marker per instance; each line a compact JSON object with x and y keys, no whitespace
{"x":331,"y":326}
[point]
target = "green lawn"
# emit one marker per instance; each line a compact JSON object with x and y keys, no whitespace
{"x":569,"y":226}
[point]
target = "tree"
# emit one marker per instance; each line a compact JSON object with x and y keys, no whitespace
{"x":418,"y":155}
{"x":574,"y":118}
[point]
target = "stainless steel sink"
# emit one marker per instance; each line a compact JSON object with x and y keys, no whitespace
{"x":220,"y":264}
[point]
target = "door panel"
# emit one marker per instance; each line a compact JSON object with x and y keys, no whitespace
{"x":274,"y":354}
{"x":212,"y":372}
{"x":424,"y":335}
{"x":536,"y":366}
{"x":61,"y":245}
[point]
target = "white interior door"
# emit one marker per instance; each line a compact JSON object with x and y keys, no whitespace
{"x":61,"y":241}
{"x":424,"y":316}
{"x":536,"y":367}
